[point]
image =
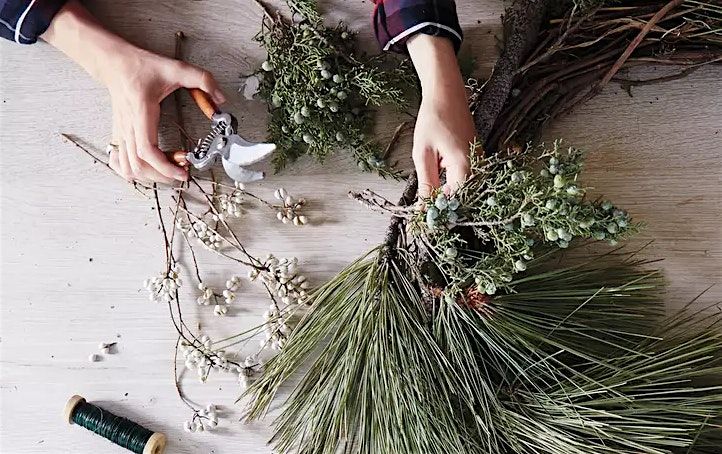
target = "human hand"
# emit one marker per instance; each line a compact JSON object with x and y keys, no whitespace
{"x":444,"y":129}
{"x":137,"y":81}
{"x":444,"y":126}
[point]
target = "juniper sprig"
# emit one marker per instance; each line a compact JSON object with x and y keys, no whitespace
{"x":488,"y":230}
{"x":320,"y":90}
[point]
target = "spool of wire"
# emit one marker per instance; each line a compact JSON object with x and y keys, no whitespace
{"x":121,"y":431}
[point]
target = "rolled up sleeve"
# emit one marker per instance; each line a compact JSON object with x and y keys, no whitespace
{"x":395,"y":21}
{"x":23,"y":21}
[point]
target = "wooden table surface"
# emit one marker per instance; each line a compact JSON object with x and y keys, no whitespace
{"x":77,"y":243}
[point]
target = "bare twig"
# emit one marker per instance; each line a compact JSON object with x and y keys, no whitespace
{"x":376,"y":202}
{"x":558,"y":45}
{"x":163,"y":229}
{"x":72,"y":140}
{"x":238,"y":243}
{"x":395,"y":138}
{"x":178,"y":55}
{"x":636,"y":41}
{"x":176,"y":381}
{"x":395,"y":227}
{"x":95,"y":158}
{"x":627,"y":84}
{"x":266,"y":11}
{"x":191,"y":215}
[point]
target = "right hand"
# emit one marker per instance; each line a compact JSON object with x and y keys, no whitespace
{"x":138,"y":81}
{"x":444,"y":129}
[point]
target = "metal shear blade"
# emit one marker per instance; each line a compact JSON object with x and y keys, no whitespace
{"x":240,"y":153}
{"x":235,"y":151}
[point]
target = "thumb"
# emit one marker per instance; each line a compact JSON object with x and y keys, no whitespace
{"x":191,"y":76}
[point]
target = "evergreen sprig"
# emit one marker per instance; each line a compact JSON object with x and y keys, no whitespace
{"x":487,"y":231}
{"x":320,"y":90}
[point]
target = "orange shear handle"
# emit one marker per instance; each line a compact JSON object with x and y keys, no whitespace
{"x":204,"y":102}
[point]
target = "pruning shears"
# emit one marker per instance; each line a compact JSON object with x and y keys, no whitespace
{"x":223,"y":140}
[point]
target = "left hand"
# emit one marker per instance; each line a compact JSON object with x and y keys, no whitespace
{"x":444,"y":126}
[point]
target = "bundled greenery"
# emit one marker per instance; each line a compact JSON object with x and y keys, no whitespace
{"x":559,"y":360}
{"x":320,"y":90}
{"x":508,"y":207}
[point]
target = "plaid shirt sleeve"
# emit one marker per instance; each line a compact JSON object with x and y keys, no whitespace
{"x":395,"y":21}
{"x":23,"y":21}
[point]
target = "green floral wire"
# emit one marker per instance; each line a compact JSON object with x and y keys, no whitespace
{"x":121,"y":431}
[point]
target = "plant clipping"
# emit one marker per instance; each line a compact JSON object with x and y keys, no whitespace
{"x":320,"y":90}
{"x":469,"y":329}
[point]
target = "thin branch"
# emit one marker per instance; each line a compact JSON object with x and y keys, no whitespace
{"x":395,"y":138}
{"x":178,"y":389}
{"x":557,"y":46}
{"x":231,"y":243}
{"x":394,"y":229}
{"x":266,"y":11}
{"x":637,"y":40}
{"x":85,"y":150}
{"x":495,"y":223}
{"x":178,"y":55}
{"x":95,"y":158}
{"x":627,"y":84}
{"x":212,"y":207}
{"x":376,"y":202}
{"x":165,"y":233}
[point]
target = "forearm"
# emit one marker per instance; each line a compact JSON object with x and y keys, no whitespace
{"x":437,"y":67}
{"x":76,"y":33}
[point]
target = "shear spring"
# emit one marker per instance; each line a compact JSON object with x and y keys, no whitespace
{"x":204,"y":145}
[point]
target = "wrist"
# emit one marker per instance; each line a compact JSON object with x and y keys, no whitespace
{"x":436,"y":65}
{"x":76,"y":33}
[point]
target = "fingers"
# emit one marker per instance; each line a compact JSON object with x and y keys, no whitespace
{"x":426,"y":162}
{"x":190,"y":76}
{"x":125,"y":170}
{"x":457,"y":170}
{"x":119,"y":159}
{"x":113,"y":161}
{"x":136,"y":114}
{"x":145,"y":137}
{"x":130,"y":158}
{"x":116,"y":140}
{"x":131,"y":152}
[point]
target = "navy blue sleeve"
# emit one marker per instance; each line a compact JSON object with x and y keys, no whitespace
{"x":23,"y":21}
{"x":395,"y":21}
